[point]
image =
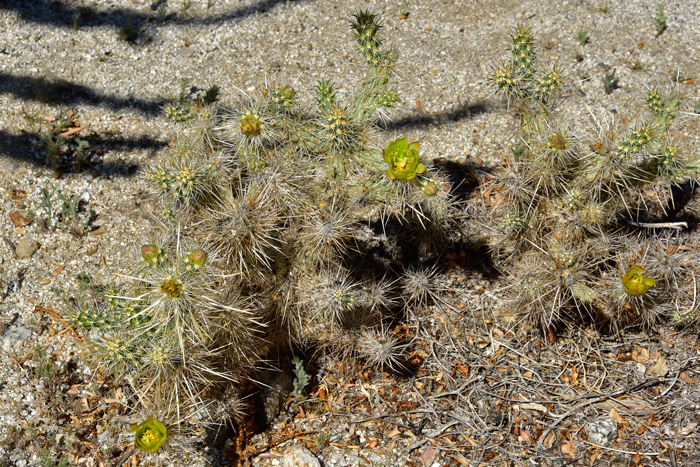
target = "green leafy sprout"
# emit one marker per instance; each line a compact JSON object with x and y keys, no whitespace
{"x":583,"y":37}
{"x":660,"y":19}
{"x":610,"y":81}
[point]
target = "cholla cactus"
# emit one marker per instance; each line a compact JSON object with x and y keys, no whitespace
{"x":563,"y":198}
{"x":273,"y":196}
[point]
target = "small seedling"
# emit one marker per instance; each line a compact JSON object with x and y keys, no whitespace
{"x":69,"y":213}
{"x":186,"y":4}
{"x":85,"y":282}
{"x":696,"y":108}
{"x":610,"y":81}
{"x":183,"y":110}
{"x":80,"y":155}
{"x":301,"y":378}
{"x":161,"y":6}
{"x":583,"y":37}
{"x":129,"y":32}
{"x":403,"y":13}
{"x":84,"y":12}
{"x":660,"y":19}
{"x":583,"y":75}
{"x":61,"y":210}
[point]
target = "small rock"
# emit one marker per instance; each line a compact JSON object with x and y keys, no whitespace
{"x":185,"y":52}
{"x":14,"y":286}
{"x":298,"y":456}
{"x":14,"y":166}
{"x":85,"y":197}
{"x":602,"y":431}
{"x":275,"y":65}
{"x":88,"y":178}
{"x":26,"y":248}
{"x":14,"y":336}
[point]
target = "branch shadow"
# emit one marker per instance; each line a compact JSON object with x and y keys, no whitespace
{"x":422,"y":120}
{"x":23,"y":147}
{"x":60,"y":91}
{"x":60,"y":15}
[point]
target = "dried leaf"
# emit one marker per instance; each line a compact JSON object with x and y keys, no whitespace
{"x":525,"y":435}
{"x":614,"y":414}
{"x":548,"y":440}
{"x":419,"y":106}
{"x":688,"y":429}
{"x":660,"y":368}
{"x":574,"y":377}
{"x":686,"y":379}
{"x":19,"y":220}
{"x":568,"y":449}
{"x":461,"y":460}
{"x":58,"y":270}
{"x":551,"y":336}
{"x":72,"y":131}
{"x":19,"y":194}
{"x":641,"y":356}
{"x":394,"y":432}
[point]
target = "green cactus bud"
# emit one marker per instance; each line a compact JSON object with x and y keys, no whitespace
{"x":634,"y":282}
{"x":655,"y":103}
{"x":283,"y":97}
{"x":151,"y":253}
{"x":197,"y":258}
{"x":403,"y":160}
{"x":430,"y":188}
{"x":171,"y":287}
{"x":325,"y":94}
{"x":149,"y":435}
{"x":250,"y":124}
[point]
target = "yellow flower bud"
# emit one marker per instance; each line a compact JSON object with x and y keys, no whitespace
{"x":634,"y":282}
{"x":149,"y":435}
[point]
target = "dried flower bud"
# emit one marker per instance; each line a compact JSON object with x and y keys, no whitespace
{"x":171,"y":287}
{"x":558,"y":142}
